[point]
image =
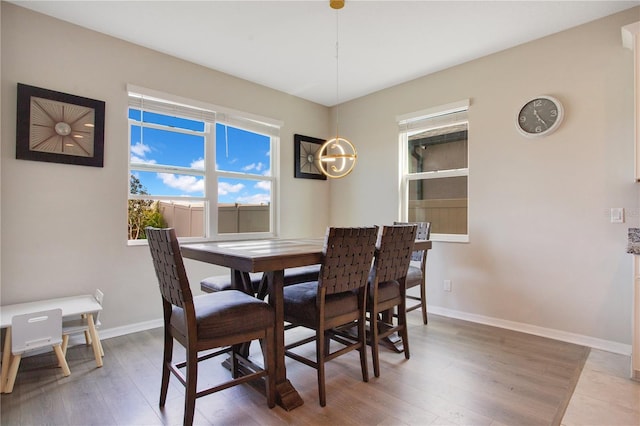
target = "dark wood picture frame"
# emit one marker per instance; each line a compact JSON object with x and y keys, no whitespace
{"x":304,"y":166}
{"x":58,"y":127}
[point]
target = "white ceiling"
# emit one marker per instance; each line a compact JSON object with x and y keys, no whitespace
{"x":291,"y":45}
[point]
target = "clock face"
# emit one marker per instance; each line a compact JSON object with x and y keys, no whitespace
{"x":61,"y":128}
{"x":540,"y":116}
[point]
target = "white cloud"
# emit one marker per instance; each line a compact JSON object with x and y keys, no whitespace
{"x":263,"y":184}
{"x":198,"y":164}
{"x":254,"y":166}
{"x":225,"y":188}
{"x":140,"y":149}
{"x":184,"y":183}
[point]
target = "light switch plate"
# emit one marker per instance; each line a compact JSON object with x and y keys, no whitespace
{"x":617,"y":215}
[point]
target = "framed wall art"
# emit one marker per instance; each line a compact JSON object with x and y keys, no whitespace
{"x":59,"y":127}
{"x":305,"y":157}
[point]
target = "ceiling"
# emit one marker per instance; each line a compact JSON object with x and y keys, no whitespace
{"x":291,"y":45}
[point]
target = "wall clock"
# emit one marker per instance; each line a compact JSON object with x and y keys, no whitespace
{"x":59,"y":127}
{"x":305,"y":157}
{"x":540,"y":116}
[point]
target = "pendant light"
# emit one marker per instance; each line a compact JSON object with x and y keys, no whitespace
{"x":337,"y":156}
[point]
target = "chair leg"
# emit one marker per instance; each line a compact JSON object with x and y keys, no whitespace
{"x":404,"y":331}
{"x":375,"y":353}
{"x":190,"y":387}
{"x":423,"y":301}
{"x":320,"y":353}
{"x":362,"y":338}
{"x":65,"y":344}
{"x":166,"y":361}
{"x":62,"y":361}
{"x":13,"y":372}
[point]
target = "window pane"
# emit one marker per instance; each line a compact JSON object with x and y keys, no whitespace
{"x":242,"y":151}
{"x":244,"y":205}
{"x":438,"y":149}
{"x":443,"y":202}
{"x":163,"y":147}
{"x":187,"y":218}
{"x":170,"y":184}
{"x":166,"y":120}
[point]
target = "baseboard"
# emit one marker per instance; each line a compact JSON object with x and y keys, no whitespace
{"x":578,"y":339}
{"x":107,"y":333}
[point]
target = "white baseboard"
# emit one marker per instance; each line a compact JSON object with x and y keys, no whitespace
{"x":107,"y":333}
{"x":579,"y":339}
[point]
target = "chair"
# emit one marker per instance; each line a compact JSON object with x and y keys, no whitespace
{"x":417,"y":269}
{"x":34,"y":331}
{"x":215,"y":321}
{"x":387,"y":288}
{"x":337,"y":298}
{"x":81,"y":325}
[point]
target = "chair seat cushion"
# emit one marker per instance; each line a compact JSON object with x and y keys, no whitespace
{"x":223,"y":282}
{"x":414,"y":275}
{"x":300,"y":303}
{"x":297,"y":275}
{"x":226,"y":312}
{"x":387,"y":290}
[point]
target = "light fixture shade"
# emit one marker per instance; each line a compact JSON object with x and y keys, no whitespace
{"x":337,"y":157}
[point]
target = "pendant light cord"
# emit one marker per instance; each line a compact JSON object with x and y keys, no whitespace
{"x":337,"y":72}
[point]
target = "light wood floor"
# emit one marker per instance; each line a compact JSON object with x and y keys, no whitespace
{"x":459,"y":373}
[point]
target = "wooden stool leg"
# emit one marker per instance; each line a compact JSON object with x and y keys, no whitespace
{"x":62,"y":360}
{"x":65,"y":343}
{"x":6,"y":360}
{"x":95,"y":342}
{"x":13,"y":372}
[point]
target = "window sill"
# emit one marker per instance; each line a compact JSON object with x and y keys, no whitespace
{"x":450,"y":238}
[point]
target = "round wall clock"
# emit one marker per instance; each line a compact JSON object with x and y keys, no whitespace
{"x":540,"y":116}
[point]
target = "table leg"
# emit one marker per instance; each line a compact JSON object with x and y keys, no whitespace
{"x":95,"y":340}
{"x":6,"y":360}
{"x":287,"y":396}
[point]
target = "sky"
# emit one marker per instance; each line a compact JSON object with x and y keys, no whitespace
{"x":236,"y":151}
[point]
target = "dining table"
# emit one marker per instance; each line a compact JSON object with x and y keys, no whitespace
{"x":272,"y":257}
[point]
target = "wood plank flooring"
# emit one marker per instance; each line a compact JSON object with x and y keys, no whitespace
{"x":460,"y":373}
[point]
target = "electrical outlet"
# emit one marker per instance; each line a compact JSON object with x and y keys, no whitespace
{"x":447,"y":285}
{"x":617,"y":215}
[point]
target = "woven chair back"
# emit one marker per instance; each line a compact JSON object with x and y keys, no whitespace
{"x":393,"y":252}
{"x":423,"y":233}
{"x":348,"y":255}
{"x":167,"y":261}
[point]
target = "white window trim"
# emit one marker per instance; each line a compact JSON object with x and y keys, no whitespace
{"x":255,"y":123}
{"x":412,"y":123}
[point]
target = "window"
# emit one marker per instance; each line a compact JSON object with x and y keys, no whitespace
{"x":435,"y":170}
{"x":204,"y":170}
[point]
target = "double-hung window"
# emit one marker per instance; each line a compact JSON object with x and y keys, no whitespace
{"x":207,"y":171}
{"x":435,"y":170}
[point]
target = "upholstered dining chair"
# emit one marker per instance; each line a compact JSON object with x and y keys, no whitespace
{"x":417,"y":270}
{"x":387,"y":288}
{"x":337,"y":298}
{"x":206,"y":322}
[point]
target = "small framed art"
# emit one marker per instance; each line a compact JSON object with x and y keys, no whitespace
{"x":59,"y":127}
{"x":305,"y":157}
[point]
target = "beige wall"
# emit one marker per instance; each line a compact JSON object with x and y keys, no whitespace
{"x":63,"y":226}
{"x":542,"y":252}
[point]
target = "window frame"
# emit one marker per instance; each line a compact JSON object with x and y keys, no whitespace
{"x":420,"y":121}
{"x":212,"y":115}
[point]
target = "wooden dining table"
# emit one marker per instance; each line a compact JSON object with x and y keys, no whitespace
{"x":272,"y":257}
